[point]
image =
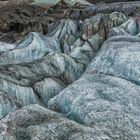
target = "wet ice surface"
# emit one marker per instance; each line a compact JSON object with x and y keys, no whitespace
{"x":92,"y":83}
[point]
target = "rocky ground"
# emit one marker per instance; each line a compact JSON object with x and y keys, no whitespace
{"x":18,"y":19}
{"x":70,"y":72}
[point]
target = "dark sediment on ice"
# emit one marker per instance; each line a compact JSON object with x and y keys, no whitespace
{"x":17,"y":21}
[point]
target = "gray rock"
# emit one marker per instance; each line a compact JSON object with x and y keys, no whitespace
{"x":101,"y":23}
{"x":127,"y":8}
